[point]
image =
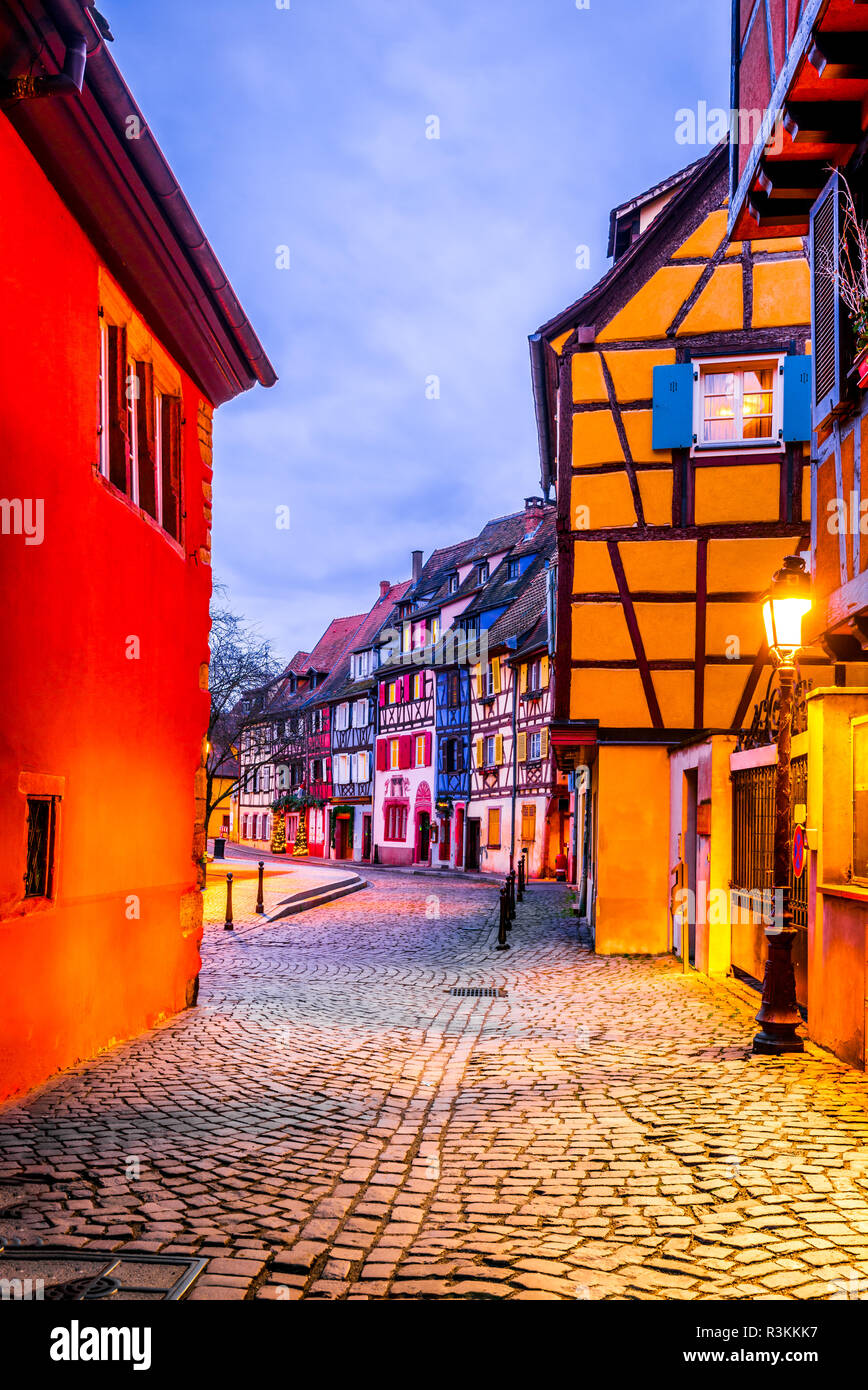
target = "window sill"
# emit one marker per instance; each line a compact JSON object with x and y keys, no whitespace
{"x":533,"y":694}
{"x":114,"y":491}
{"x":856,"y":892}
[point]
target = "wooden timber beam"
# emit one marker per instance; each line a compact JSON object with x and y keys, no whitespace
{"x":823,"y":122}
{"x":839,"y":56}
{"x":792,"y":180}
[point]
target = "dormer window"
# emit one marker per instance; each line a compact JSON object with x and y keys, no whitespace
{"x":513,"y":569}
{"x":482,"y":573}
{"x":453,"y":583}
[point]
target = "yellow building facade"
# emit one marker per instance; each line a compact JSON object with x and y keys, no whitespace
{"x":673,"y":413}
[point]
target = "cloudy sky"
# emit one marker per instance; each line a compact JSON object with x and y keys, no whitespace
{"x":305,"y":127}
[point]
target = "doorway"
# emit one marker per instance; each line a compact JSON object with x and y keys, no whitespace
{"x":366,"y":838}
{"x":423,"y":838}
{"x":689,"y":847}
{"x":474,"y":838}
{"x":343,"y":842}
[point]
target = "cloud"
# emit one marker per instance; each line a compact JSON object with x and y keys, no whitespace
{"x":409,"y":257}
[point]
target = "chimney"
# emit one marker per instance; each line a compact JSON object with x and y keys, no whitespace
{"x":385,"y":586}
{"x":534,"y":504}
{"x":417,"y":565}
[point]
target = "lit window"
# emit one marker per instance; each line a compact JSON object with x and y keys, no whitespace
{"x":394,"y":753}
{"x":738,"y":405}
{"x":418,"y":686}
{"x":420,"y":750}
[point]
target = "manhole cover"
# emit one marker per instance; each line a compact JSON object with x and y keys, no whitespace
{"x":57,"y":1274}
{"x":477,"y":992}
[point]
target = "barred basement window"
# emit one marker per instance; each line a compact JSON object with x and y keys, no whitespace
{"x":39,"y":878}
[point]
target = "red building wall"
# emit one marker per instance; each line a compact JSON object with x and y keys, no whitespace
{"x":126,"y":735}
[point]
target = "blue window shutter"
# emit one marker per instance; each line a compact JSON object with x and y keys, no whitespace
{"x":672,"y":422}
{"x":797,"y":400}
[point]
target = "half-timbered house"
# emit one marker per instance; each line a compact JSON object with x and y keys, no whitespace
{"x":351,"y":695}
{"x":513,"y":777}
{"x":672,"y":415}
{"x":272,"y":750}
{"x":317,"y":712}
{"x":803,"y":173}
{"x":405,"y":769}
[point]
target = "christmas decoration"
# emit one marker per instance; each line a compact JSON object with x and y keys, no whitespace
{"x":278,"y":833}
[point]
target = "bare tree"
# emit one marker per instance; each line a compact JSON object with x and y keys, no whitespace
{"x":242,"y":674}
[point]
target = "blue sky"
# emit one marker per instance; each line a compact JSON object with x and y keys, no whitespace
{"x":409,"y":257}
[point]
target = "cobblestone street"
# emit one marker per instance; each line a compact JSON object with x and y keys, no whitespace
{"x":332,"y":1122}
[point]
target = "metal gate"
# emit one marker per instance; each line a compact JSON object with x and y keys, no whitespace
{"x":753,"y":817}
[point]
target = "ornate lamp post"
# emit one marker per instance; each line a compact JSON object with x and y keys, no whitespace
{"x":784,"y":607}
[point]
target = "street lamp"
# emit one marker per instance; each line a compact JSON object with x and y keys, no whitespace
{"x":784,"y":607}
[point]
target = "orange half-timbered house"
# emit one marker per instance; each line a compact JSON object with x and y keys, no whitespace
{"x":671,"y":408}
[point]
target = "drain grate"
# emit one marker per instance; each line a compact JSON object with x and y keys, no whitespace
{"x":477,"y":992}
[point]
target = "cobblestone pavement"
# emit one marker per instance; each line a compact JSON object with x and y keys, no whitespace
{"x":331,"y":1122}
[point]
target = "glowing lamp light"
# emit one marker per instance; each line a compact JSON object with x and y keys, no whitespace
{"x":784,"y":607}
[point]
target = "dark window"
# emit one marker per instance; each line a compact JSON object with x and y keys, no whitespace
{"x":170,"y":464}
{"x":454,"y":755}
{"x":453,"y":696}
{"x":38,"y":882}
{"x":514,"y":569}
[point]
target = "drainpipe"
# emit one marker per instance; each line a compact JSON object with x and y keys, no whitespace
{"x":540,"y":397}
{"x":512,"y":643}
{"x":65,"y":83}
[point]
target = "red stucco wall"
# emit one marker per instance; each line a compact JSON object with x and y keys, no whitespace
{"x":125,"y":734}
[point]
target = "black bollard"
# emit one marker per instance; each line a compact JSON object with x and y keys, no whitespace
{"x":502,"y":943}
{"x":520,"y":881}
{"x":260,"y":901}
{"x":228,"y":925}
{"x":511,"y":885}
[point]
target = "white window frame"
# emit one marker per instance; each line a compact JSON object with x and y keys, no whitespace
{"x":534,"y":746}
{"x":103,"y":410}
{"x":707,"y":366}
{"x":489,"y":750}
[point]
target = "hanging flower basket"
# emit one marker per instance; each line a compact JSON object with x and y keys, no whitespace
{"x":860,"y":367}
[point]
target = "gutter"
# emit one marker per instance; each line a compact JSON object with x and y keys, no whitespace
{"x":73,"y":18}
{"x":540,"y":396}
